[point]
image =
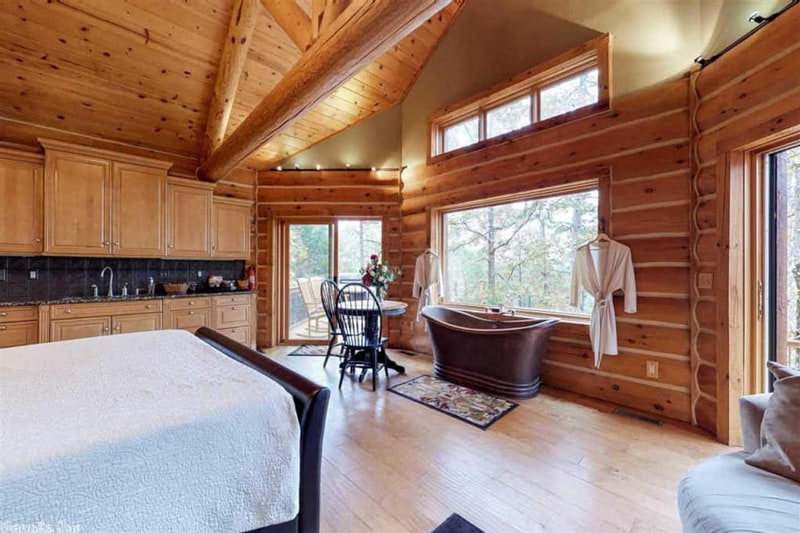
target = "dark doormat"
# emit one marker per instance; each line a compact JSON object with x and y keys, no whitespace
{"x":473,"y":407}
{"x":311,"y":350}
{"x":457,"y":524}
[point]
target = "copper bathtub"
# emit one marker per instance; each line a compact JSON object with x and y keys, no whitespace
{"x":498,"y":354}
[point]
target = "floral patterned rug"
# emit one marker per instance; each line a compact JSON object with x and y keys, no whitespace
{"x":314,"y":350}
{"x":473,"y":407}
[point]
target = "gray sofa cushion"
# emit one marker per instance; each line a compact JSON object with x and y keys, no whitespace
{"x":724,"y":494}
{"x":751,"y":413}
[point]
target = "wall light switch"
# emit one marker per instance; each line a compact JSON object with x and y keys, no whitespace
{"x":652,"y":369}
{"x":705,"y":280}
{"x":33,"y":274}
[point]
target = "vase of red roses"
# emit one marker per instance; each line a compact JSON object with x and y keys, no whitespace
{"x":378,"y":276}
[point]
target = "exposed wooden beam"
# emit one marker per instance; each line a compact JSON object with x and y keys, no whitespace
{"x":365,"y":30}
{"x":324,"y":13}
{"x":231,"y":65}
{"x":292,"y":19}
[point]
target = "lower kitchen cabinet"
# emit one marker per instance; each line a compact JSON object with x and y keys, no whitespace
{"x":79,"y":328}
{"x":136,"y":323}
{"x":18,"y":334}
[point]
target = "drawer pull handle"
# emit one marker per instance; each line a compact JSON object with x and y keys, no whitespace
{"x":191,"y":312}
{"x":191,"y":303}
{"x":3,"y":313}
{"x":2,"y":328}
{"x":148,"y":306}
{"x":68,"y":311}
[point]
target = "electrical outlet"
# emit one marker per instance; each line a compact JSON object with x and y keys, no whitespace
{"x":199,"y":273}
{"x":652,"y":369}
{"x":705,"y":280}
{"x":33,"y":274}
{"x":163,"y":274}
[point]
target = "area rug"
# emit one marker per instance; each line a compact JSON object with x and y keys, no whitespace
{"x":473,"y":407}
{"x":457,"y":524}
{"x":312,"y":350}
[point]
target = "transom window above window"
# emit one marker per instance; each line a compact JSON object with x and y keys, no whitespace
{"x":572,"y":83}
{"x":518,"y":254}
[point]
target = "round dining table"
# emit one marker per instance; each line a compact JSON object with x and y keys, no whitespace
{"x":388,"y":308}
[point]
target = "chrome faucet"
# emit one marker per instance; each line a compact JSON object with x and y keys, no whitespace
{"x":110,"y":280}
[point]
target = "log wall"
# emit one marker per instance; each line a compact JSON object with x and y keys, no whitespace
{"x":309,"y":193}
{"x":747,"y":96}
{"x":644,"y":144}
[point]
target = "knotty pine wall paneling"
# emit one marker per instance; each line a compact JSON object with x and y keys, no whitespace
{"x":326,"y":193}
{"x":748,"y":96}
{"x":644,"y":143}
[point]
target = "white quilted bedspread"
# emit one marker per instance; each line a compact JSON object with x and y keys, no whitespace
{"x":145,"y":432}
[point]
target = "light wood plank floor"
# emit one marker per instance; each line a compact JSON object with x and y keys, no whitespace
{"x":559,"y":462}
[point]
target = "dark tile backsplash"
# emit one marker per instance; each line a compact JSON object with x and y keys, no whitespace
{"x":62,"y":277}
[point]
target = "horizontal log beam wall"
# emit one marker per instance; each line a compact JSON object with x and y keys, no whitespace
{"x":748,"y":95}
{"x":324,"y":193}
{"x":644,"y":141}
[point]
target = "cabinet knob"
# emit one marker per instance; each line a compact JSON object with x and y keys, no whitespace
{"x":169,"y":246}
{"x":106,"y":243}
{"x":3,"y":313}
{"x":2,"y":328}
{"x":37,"y":240}
{"x":105,"y":329}
{"x":191,"y":303}
{"x":116,"y":244}
{"x":68,"y":311}
{"x":191,"y":312}
{"x":118,"y":328}
{"x":148,"y":306}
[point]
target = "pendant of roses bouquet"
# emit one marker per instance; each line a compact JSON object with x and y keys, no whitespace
{"x":379,"y":275}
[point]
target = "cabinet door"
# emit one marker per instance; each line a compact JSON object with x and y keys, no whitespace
{"x":79,"y":328}
{"x":189,"y":212}
{"x":136,"y":323}
{"x":21,"y":199}
{"x":18,"y":334}
{"x":77,"y":204}
{"x":231,"y":230}
{"x":139,"y":211}
{"x":190,"y":319}
{"x":242,"y":335}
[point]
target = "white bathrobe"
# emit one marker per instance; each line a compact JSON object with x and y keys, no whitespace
{"x":602,"y":268}
{"x":427,"y":280}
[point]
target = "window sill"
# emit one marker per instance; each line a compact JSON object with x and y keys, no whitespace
{"x":584,"y":112}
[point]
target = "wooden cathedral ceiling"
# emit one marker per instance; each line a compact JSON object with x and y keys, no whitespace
{"x":142,"y":72}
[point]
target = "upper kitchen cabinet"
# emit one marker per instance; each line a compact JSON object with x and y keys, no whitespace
{"x":102,"y":203}
{"x":189,"y":216}
{"x":231,"y":228}
{"x":139,"y":212}
{"x":21,"y":202}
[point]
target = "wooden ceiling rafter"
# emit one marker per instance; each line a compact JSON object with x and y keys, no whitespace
{"x":231,"y":65}
{"x":292,"y":19}
{"x":364,"y":31}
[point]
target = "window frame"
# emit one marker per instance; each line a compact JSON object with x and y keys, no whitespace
{"x":599,"y":180}
{"x":593,"y":54}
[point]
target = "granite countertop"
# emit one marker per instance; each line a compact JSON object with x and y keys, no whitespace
{"x":105,"y":299}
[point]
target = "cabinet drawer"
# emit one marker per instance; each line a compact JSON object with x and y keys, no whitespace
{"x":18,"y":334}
{"x":104,"y":309}
{"x":190,"y":319}
{"x":243,"y":334}
{"x":18,"y":314}
{"x":200,"y":302}
{"x":228,"y":316}
{"x":232,"y":299}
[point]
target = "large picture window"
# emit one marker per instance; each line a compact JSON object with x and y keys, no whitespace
{"x":519,"y":253}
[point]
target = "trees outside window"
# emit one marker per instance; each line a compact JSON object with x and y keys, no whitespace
{"x":461,"y":134}
{"x":508,"y":117}
{"x":569,"y":94}
{"x":518,"y":254}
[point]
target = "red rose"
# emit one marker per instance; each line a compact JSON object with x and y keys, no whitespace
{"x":374,"y":257}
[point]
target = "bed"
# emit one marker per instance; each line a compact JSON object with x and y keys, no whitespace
{"x":157,"y":431}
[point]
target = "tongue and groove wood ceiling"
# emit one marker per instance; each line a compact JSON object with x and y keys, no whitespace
{"x":141,"y":72}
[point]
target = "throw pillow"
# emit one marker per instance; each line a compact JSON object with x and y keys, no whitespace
{"x":780,"y":429}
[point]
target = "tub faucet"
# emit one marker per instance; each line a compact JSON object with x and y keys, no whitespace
{"x":110,"y":280}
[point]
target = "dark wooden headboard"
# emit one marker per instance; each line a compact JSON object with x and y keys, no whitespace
{"x":311,"y":402}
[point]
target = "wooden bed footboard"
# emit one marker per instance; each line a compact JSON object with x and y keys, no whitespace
{"x":311,"y":402}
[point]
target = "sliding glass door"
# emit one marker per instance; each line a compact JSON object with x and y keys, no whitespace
{"x":314,"y":250}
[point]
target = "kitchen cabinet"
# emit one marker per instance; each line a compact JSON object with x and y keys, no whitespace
{"x":79,"y":328}
{"x":81,"y":320}
{"x":99,"y":203}
{"x":21,"y":202}
{"x":139,"y":211}
{"x":136,"y":323}
{"x":189,"y":218}
{"x":231,"y":231}
{"x":189,"y":314}
{"x":18,"y":326}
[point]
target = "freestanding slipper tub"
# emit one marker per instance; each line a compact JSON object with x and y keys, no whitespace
{"x":502,"y":355}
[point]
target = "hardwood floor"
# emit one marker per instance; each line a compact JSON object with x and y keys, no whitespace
{"x":559,"y":462}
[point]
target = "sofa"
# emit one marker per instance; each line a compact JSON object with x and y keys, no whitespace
{"x":724,"y":494}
